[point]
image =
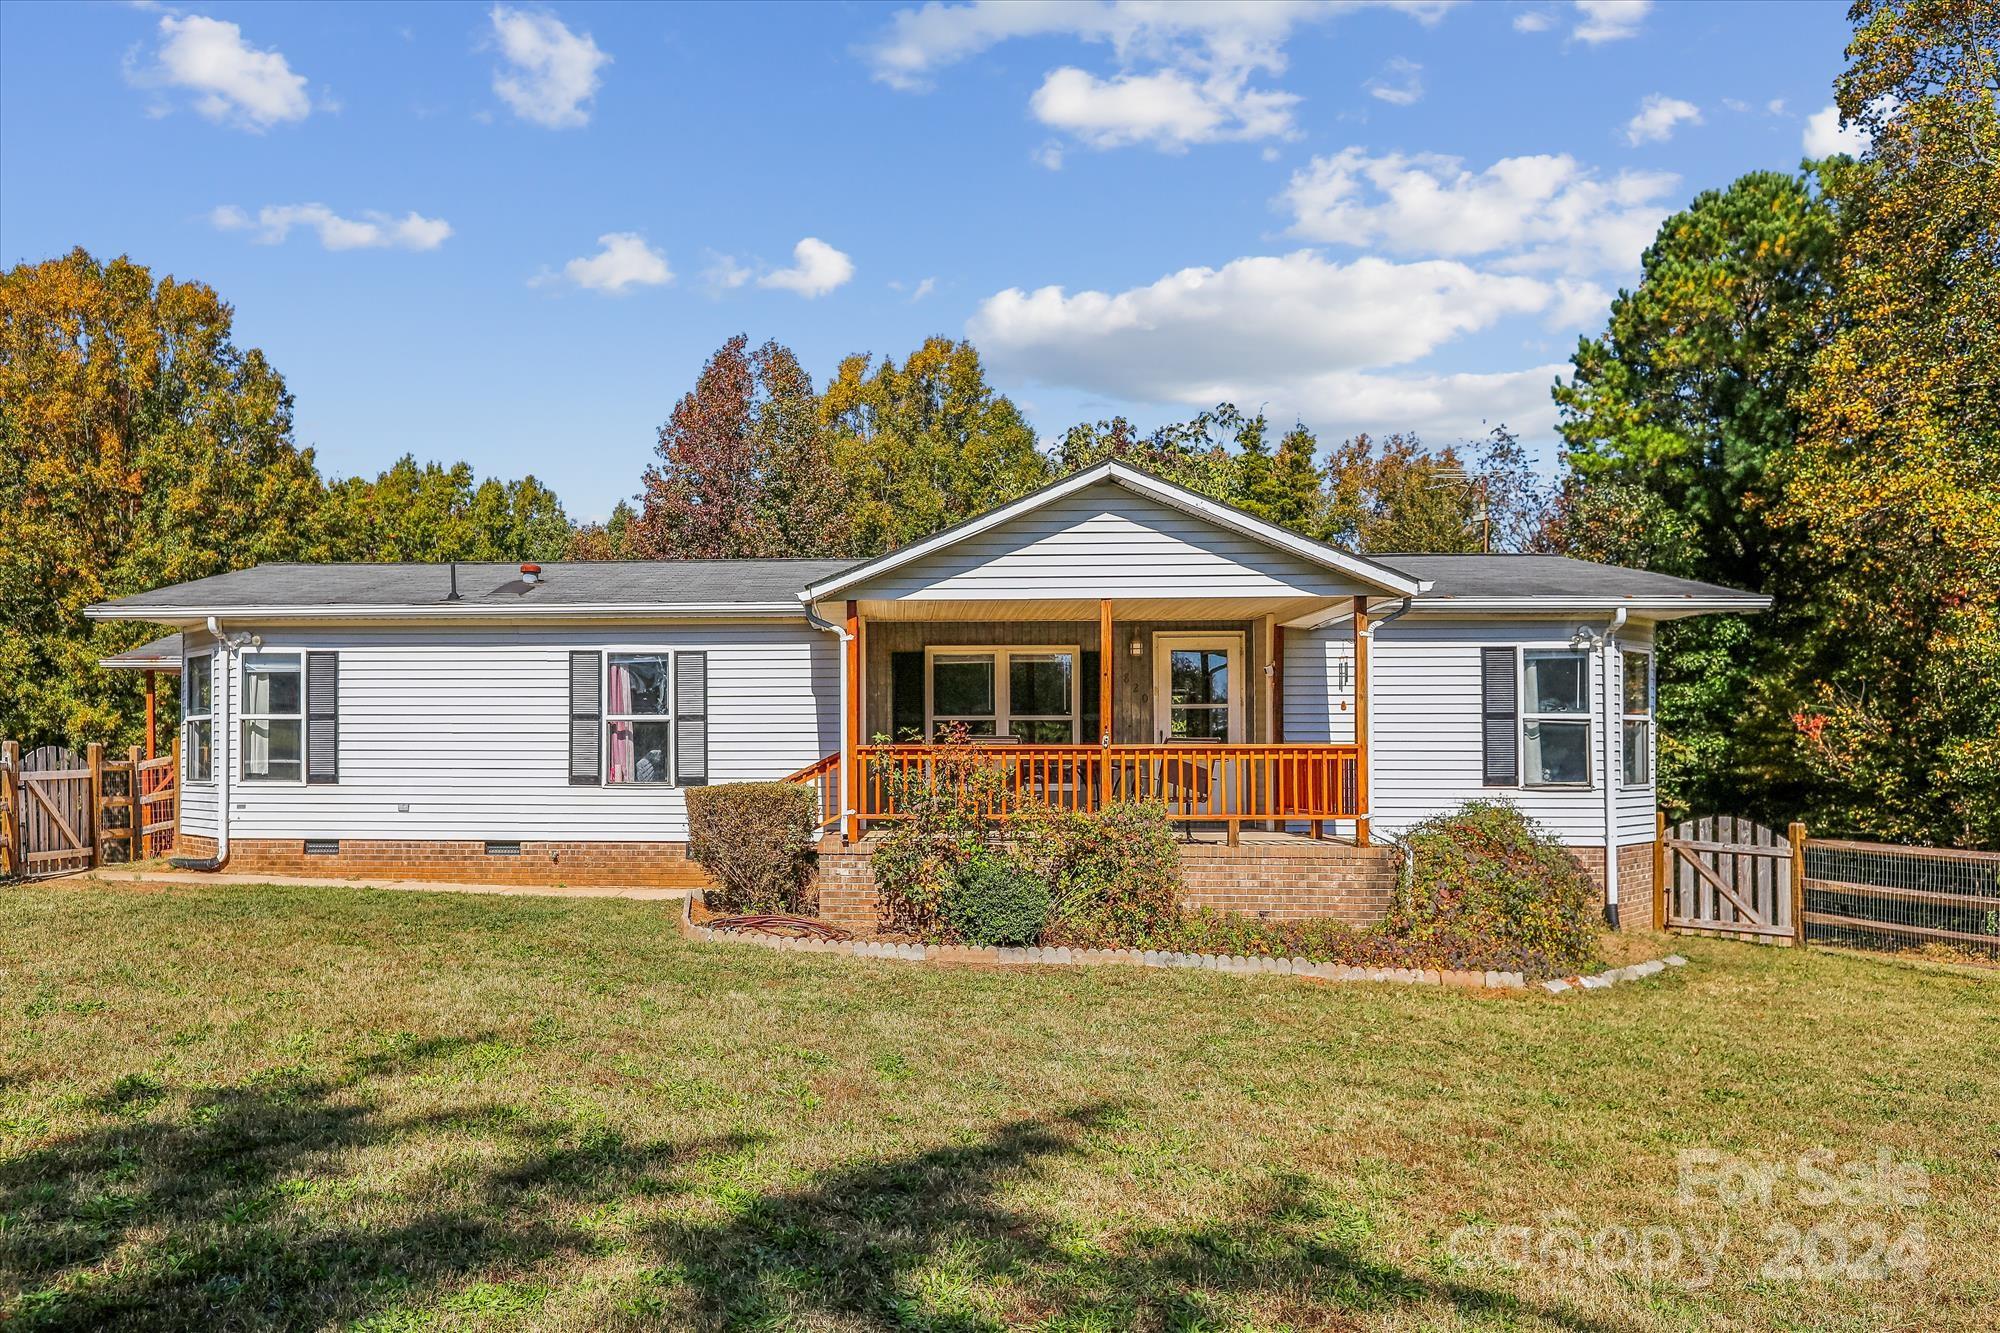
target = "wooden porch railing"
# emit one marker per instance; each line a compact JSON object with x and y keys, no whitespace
{"x":823,"y":776}
{"x":1226,"y":784}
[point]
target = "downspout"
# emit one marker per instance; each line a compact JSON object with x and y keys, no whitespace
{"x":814,"y":619}
{"x":218,"y":736}
{"x":1364,"y":642}
{"x":1612,"y":737}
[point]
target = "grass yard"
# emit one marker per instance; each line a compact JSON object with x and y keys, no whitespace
{"x":329,"y":1108}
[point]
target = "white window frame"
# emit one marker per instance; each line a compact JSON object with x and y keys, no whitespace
{"x":189,"y":718}
{"x":1522,"y":717}
{"x":1644,"y":717}
{"x":244,"y":717}
{"x":1003,"y":687}
{"x":1233,"y":644}
{"x":605,"y":717}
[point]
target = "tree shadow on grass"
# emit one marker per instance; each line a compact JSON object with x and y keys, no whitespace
{"x":924,"y":1241}
{"x":196,"y":1203}
{"x":194,"y":1211}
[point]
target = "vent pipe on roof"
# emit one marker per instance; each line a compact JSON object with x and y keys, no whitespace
{"x":453,"y":595}
{"x":531,"y":574}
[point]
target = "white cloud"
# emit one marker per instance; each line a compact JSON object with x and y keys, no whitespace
{"x":722,"y":273}
{"x":553,"y":72}
{"x":1776,"y":106}
{"x":1534,"y":20}
{"x":623,"y":260}
{"x":1824,"y":135}
{"x":1200,"y":334}
{"x":1296,"y":332}
{"x":1400,"y":84}
{"x":232,"y":82}
{"x":1167,"y":109}
{"x":1658,"y":117}
{"x":1578,"y":305}
{"x":371,"y":231}
{"x":1609,"y":20}
{"x":1546,"y":211}
{"x":1049,"y":156}
{"x":817,"y":269}
{"x":924,"y":288}
{"x":1186,"y":72}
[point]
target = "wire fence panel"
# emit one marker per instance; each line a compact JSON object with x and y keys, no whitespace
{"x":1876,"y":896}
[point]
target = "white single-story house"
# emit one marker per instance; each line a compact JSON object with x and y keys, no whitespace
{"x":1110,"y":635}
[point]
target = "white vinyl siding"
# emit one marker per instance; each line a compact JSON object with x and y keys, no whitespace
{"x":463,"y":733}
{"x":1319,"y":684}
{"x":1105,"y":541}
{"x":197,"y":815}
{"x":1424,"y":745}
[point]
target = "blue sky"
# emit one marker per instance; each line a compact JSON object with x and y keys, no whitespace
{"x":512,"y":233}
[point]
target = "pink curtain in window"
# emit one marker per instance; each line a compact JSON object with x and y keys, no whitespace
{"x":622,"y":762}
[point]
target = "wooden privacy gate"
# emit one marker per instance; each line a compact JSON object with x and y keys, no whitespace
{"x":1729,"y":876}
{"x":53,"y":827}
{"x":60,"y":814}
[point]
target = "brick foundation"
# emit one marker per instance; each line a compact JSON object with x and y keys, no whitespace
{"x":1277,"y":881}
{"x":621,"y":864}
{"x":1635,"y":881}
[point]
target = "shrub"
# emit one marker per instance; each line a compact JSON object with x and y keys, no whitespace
{"x":1113,"y":874}
{"x":941,"y":830}
{"x":1487,"y":872}
{"x":996,"y":901}
{"x":755,"y":839}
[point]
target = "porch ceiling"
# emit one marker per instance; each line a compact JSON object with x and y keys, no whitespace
{"x":1286,"y":609}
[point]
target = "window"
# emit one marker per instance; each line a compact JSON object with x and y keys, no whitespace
{"x":638,"y":718}
{"x":273,"y":717}
{"x":198,"y":719}
{"x":1028,"y":694}
{"x":1638,"y":719}
{"x":1198,"y":694}
{"x":1555,"y":717}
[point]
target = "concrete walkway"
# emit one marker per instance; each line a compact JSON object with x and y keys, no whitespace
{"x":119,"y":875}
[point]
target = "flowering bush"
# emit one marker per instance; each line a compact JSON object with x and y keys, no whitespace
{"x":944,"y":827}
{"x":1112,"y":874}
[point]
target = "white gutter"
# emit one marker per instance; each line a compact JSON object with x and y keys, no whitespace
{"x":454,"y":611}
{"x":1364,"y":642}
{"x":222,"y":760}
{"x":1692,"y":605}
{"x":1613,"y":740}
{"x":847,"y":782}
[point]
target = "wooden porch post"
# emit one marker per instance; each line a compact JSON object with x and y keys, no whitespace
{"x":850,"y":782}
{"x":149,"y":713}
{"x":1105,"y":651}
{"x":1361,"y":711}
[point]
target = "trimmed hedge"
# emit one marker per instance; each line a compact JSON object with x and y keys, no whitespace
{"x":756,"y":839}
{"x":996,"y":901}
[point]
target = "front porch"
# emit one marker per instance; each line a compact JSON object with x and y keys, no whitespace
{"x":1136,"y":704}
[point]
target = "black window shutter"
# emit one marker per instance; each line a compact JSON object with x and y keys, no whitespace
{"x":691,"y":719}
{"x":586,"y":730}
{"x":1091,"y":730}
{"x":906,"y":697}
{"x":1500,"y":695}
{"x":322,"y":718}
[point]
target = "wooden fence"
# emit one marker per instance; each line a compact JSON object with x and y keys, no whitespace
{"x":60,"y":813}
{"x":1733,"y":877}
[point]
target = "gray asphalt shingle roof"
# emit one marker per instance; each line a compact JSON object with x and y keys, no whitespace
{"x":610,"y":583}
{"x":1481,"y":577}
{"x":161,"y":654}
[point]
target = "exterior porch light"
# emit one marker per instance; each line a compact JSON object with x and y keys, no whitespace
{"x":1136,"y":648}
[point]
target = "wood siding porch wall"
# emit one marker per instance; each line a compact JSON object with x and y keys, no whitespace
{"x":1131,"y":677}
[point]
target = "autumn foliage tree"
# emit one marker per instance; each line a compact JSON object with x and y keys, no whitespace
{"x":744,"y":466}
{"x":139,"y":446}
{"x":1895,"y":481}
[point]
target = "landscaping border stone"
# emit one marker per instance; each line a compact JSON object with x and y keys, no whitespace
{"x":1067,"y":957}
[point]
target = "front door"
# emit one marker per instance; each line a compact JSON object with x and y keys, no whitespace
{"x":1198,"y":686}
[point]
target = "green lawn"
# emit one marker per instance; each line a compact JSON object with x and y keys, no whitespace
{"x":234,"y":1108}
